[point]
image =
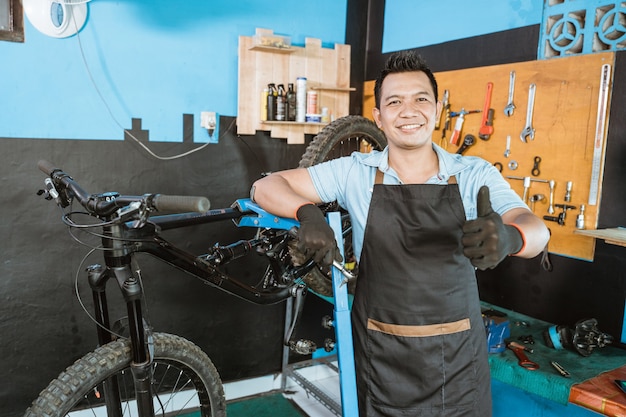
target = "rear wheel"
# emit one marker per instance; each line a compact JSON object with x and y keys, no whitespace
{"x":184,"y":380}
{"x":340,"y":138}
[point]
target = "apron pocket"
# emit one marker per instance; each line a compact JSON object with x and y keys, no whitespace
{"x":421,"y":367}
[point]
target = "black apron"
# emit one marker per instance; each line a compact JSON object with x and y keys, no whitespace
{"x":419,"y":338}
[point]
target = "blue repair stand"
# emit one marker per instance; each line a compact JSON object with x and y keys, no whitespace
{"x":343,"y":330}
{"x":341,"y":323}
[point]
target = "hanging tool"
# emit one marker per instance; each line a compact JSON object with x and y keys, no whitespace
{"x":568,"y":191}
{"x":446,"y":116}
{"x":507,"y":151}
{"x":528,"y":130}
{"x":523,"y":360}
{"x":534,"y":198}
{"x":486,"y":126}
{"x":552,"y":184}
{"x":458,"y":126}
{"x":468,"y":141}
{"x":445,"y":103}
{"x":527,"y":181}
{"x":580,"y":219}
{"x":508,"y":109}
{"x":535,"y":171}
{"x":560,"y":219}
{"x":596,"y":164}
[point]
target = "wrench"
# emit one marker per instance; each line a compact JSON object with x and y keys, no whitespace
{"x":486,"y":126}
{"x":528,"y":130}
{"x":508,"y":109}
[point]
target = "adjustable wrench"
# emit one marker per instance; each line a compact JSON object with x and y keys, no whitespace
{"x":486,"y":126}
{"x":528,"y":130}
{"x":508,"y":109}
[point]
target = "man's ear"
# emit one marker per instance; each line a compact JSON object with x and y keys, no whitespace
{"x":376,"y":114}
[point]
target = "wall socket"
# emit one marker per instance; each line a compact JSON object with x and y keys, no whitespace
{"x":208,"y":119}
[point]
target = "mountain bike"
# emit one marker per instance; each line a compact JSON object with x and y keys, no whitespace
{"x":137,"y":371}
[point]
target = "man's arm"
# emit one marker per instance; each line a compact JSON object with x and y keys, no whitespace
{"x":292,"y":194}
{"x":282,"y":193}
{"x":536,"y":234}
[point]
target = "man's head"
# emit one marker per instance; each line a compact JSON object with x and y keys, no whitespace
{"x":405,"y":61}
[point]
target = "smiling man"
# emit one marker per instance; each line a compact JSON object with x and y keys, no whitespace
{"x":423,"y":219}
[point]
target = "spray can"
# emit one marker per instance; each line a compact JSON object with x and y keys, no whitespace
{"x":290,"y":114}
{"x":272,"y":96}
{"x":281,"y":103}
{"x":300,"y":99}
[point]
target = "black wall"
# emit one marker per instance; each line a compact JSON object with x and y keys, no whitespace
{"x":43,"y":328}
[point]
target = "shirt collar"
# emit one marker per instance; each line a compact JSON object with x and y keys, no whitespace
{"x":449,"y":164}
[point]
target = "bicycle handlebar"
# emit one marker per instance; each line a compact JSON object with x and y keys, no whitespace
{"x":96,"y":204}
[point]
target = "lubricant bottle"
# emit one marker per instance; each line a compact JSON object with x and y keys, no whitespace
{"x":272,"y":96}
{"x":291,"y":103}
{"x":281,"y":99}
{"x":300,"y":99}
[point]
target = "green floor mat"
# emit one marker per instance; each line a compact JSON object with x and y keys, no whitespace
{"x":271,"y":405}
{"x":268,"y":405}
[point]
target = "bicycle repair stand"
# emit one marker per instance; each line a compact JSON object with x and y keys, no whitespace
{"x":343,"y":343}
{"x":341,"y":323}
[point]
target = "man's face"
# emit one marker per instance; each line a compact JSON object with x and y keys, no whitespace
{"x":408,"y":109}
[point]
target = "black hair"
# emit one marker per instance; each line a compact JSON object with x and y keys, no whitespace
{"x":404,"y":61}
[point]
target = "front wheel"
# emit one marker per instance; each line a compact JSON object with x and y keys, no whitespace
{"x":184,"y":380}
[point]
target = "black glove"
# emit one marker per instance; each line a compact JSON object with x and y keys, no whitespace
{"x":487,"y":240}
{"x":316,"y":238}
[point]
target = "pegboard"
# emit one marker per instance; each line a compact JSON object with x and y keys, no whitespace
{"x":564,"y":118}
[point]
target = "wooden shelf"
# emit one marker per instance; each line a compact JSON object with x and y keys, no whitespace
{"x":272,"y":49}
{"x":277,"y":122}
{"x":346,"y":89}
{"x":615,"y":236}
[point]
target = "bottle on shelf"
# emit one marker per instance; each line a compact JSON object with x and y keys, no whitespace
{"x":281,"y":99}
{"x":272,"y":95}
{"x":301,"y":99}
{"x":264,"y":94}
{"x":291,"y":104}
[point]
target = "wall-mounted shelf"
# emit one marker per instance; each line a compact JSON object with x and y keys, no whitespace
{"x":327,"y":70}
{"x":614,"y":236}
{"x":272,"y":49}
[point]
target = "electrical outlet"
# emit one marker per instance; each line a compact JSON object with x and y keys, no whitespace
{"x":208,"y":119}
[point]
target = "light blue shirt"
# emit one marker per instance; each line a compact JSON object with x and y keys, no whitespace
{"x":350,"y":181}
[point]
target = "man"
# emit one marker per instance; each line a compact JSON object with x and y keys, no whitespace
{"x":420,"y":343}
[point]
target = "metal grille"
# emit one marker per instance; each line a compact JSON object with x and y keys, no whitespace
{"x":571,"y":27}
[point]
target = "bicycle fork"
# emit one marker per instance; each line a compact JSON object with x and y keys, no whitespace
{"x":141,"y":365}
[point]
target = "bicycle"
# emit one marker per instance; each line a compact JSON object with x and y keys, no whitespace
{"x":148,"y":373}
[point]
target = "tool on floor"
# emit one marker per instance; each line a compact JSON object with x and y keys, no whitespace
{"x":528,"y":131}
{"x":510,"y":107}
{"x":560,"y":369}
{"x":523,"y":360}
{"x":486,"y":126}
{"x":583,"y":338}
{"x":507,"y":151}
{"x":603,"y":97}
{"x":468,"y":141}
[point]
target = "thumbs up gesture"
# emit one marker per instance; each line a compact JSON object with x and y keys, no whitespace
{"x":487,"y":240}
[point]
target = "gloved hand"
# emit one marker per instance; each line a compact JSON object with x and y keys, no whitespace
{"x":316,"y":238}
{"x":487,"y":240}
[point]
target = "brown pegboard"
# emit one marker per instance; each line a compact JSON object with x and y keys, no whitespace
{"x":564,"y":119}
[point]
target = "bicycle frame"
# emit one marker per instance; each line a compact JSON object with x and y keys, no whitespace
{"x":121,"y":241}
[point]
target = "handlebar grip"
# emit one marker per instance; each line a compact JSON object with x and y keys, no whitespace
{"x":46,"y":166}
{"x":181,"y":204}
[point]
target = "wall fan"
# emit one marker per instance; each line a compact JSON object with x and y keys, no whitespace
{"x":56,"y":18}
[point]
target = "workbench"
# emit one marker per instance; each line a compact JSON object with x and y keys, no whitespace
{"x":590,"y":384}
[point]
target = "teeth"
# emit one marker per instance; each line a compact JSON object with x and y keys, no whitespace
{"x":414,"y":126}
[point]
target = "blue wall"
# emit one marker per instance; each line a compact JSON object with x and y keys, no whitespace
{"x":415,"y":23}
{"x":150,"y":59}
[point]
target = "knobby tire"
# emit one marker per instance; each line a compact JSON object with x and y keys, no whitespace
{"x":179,"y":366}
